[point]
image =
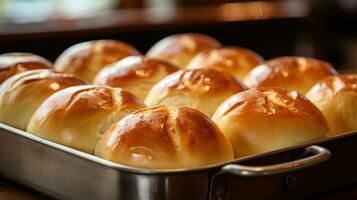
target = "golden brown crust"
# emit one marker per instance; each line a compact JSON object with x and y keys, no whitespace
{"x":293,"y":73}
{"x":21,"y":94}
{"x":78,"y":116}
{"x":265,"y":119}
{"x":88,"y":58}
{"x":237,"y":61}
{"x":336,"y":97}
{"x":181,"y":48}
{"x":202,"y":89}
{"x":165,"y":137}
{"x":332,"y":85}
{"x":202,"y":82}
{"x":136,"y":74}
{"x":271,"y":101}
{"x":14,"y":63}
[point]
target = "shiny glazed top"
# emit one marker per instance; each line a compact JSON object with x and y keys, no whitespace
{"x":237,"y":61}
{"x":131,"y":69}
{"x":14,"y":63}
{"x":136,"y":74}
{"x":201,"y":89}
{"x":78,"y":116}
{"x":198,"y":82}
{"x":332,"y":85}
{"x":336,"y":97}
{"x":165,"y":137}
{"x":270,"y":101}
{"x":41,"y":80}
{"x":181,"y":48}
{"x":293,"y":73}
{"x":86,"y":98}
{"x":260,"y":120}
{"x":88,"y":58}
{"x":21,"y":94}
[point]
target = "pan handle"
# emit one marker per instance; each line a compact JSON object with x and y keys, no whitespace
{"x":318,"y":155}
{"x":315,"y":155}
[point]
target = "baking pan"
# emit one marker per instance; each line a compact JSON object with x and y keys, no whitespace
{"x":63,"y":173}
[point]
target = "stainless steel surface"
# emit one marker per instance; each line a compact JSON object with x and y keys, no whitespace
{"x":65,"y":173}
{"x":319,"y":154}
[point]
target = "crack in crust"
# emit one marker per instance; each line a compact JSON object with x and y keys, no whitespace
{"x":294,"y":73}
{"x":165,"y":137}
{"x":88,"y":58}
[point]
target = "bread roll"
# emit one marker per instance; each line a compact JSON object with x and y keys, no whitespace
{"x":181,"y":48}
{"x":202,"y":89}
{"x":336,"y":96}
{"x":135,"y":74}
{"x":78,"y":116}
{"x":234,"y":60}
{"x":23,"y":93}
{"x":293,"y":73}
{"x":165,"y":137}
{"x":86,"y":59}
{"x":265,"y":119}
{"x":14,"y":63}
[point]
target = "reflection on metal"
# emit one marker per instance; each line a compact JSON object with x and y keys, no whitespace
{"x":318,"y":155}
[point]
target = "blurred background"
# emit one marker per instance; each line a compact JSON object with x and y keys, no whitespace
{"x":325,"y":29}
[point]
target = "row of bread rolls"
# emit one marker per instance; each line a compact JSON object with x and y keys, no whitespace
{"x":64,"y":109}
{"x":180,"y":71}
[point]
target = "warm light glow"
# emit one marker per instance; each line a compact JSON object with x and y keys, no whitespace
{"x":251,"y":10}
{"x":55,"y":86}
{"x":262,"y":10}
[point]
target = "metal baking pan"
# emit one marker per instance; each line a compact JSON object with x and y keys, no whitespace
{"x":303,"y":171}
